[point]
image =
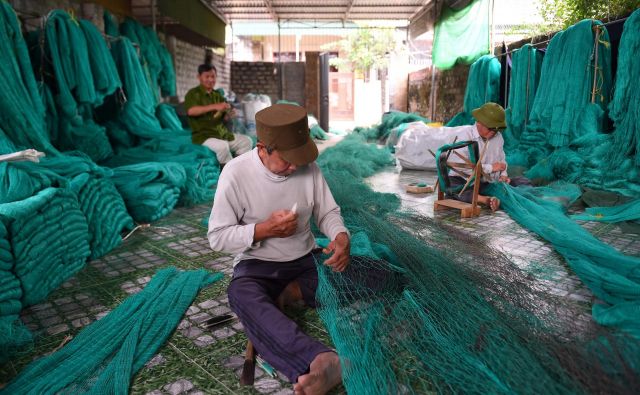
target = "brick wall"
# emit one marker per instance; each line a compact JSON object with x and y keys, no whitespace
{"x":312,"y":81}
{"x":187,"y":58}
{"x":449,"y":92}
{"x":255,"y":77}
{"x":293,"y":82}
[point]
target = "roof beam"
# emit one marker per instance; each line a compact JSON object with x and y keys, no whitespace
{"x":271,"y":10}
{"x":346,"y":14}
{"x":425,"y":7}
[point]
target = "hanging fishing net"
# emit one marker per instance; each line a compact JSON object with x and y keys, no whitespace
{"x":483,"y":85}
{"x":424,"y":308}
{"x":104,"y":356}
{"x":155,"y":56}
{"x":525,"y":75}
{"x":572,"y":92}
{"x":461,"y":36}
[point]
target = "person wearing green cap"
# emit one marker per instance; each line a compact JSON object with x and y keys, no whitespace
{"x":261,"y":213}
{"x":490,"y":122}
{"x":207,"y":111}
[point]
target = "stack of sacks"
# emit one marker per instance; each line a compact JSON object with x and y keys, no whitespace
{"x":12,"y":333}
{"x":151,"y":189}
{"x":50,"y":240}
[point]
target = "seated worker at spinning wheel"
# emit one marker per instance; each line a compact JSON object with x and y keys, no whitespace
{"x":490,"y":122}
{"x":261,"y":213}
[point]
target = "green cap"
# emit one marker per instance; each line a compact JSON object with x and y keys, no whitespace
{"x":490,"y":115}
{"x":285,"y":127}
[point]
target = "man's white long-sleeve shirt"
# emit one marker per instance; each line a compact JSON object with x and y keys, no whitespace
{"x":494,"y":153}
{"x":248,"y":193}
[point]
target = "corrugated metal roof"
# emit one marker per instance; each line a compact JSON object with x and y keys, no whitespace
{"x":319,"y":10}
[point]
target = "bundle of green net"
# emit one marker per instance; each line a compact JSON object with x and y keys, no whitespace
{"x":104,"y":356}
{"x":57,"y":212}
{"x":525,"y":74}
{"x":483,"y":85}
{"x":390,"y":121}
{"x":424,"y":308}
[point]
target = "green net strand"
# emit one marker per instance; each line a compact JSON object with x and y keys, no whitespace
{"x":610,"y":275}
{"x":624,"y":109}
{"x":461,"y":36}
{"x":525,"y":76}
{"x":483,"y":85}
{"x":103,"y":69}
{"x":450,"y":314}
{"x":390,"y":120}
{"x":105,"y":355}
{"x":629,"y":211}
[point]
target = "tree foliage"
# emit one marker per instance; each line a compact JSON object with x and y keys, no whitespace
{"x":365,"y":49}
{"x":560,"y":14}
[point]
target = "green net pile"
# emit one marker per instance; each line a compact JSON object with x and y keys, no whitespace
{"x":390,"y":120}
{"x":14,"y":334}
{"x":483,"y":85}
{"x":104,"y":356}
{"x":525,"y":75}
{"x":424,"y":308}
{"x":461,"y":36}
{"x":35,"y":196}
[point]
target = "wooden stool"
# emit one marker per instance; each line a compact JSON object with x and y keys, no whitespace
{"x":467,"y":210}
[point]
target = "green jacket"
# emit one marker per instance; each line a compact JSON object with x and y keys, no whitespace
{"x":210,"y":124}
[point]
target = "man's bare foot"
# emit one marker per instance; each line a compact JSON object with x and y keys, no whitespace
{"x":494,"y":203}
{"x":324,"y":374}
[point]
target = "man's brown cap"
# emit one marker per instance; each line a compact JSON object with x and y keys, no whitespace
{"x":490,"y":115}
{"x":285,"y":127}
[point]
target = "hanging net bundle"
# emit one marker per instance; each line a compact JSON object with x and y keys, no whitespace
{"x":104,"y":356}
{"x":483,"y":85}
{"x":154,"y":54}
{"x":572,"y":93}
{"x":410,"y":315}
{"x":525,"y":76}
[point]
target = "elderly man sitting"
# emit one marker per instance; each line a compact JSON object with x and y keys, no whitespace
{"x":490,"y":122}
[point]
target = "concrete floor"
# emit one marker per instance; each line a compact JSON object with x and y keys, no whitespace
{"x":196,"y":360}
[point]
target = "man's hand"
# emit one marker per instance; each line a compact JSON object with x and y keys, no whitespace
{"x":281,"y":223}
{"x":341,"y":248}
{"x":504,"y":179}
{"x":224,"y":106}
{"x":498,"y":166}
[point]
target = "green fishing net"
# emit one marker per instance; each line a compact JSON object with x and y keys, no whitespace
{"x":483,"y":85}
{"x":461,"y":36}
{"x":437,"y":310}
{"x":104,"y":356}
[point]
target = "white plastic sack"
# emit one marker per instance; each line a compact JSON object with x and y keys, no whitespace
{"x":412,"y":150}
{"x":251,"y":104}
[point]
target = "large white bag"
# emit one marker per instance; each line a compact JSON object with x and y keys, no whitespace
{"x":412,"y":150}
